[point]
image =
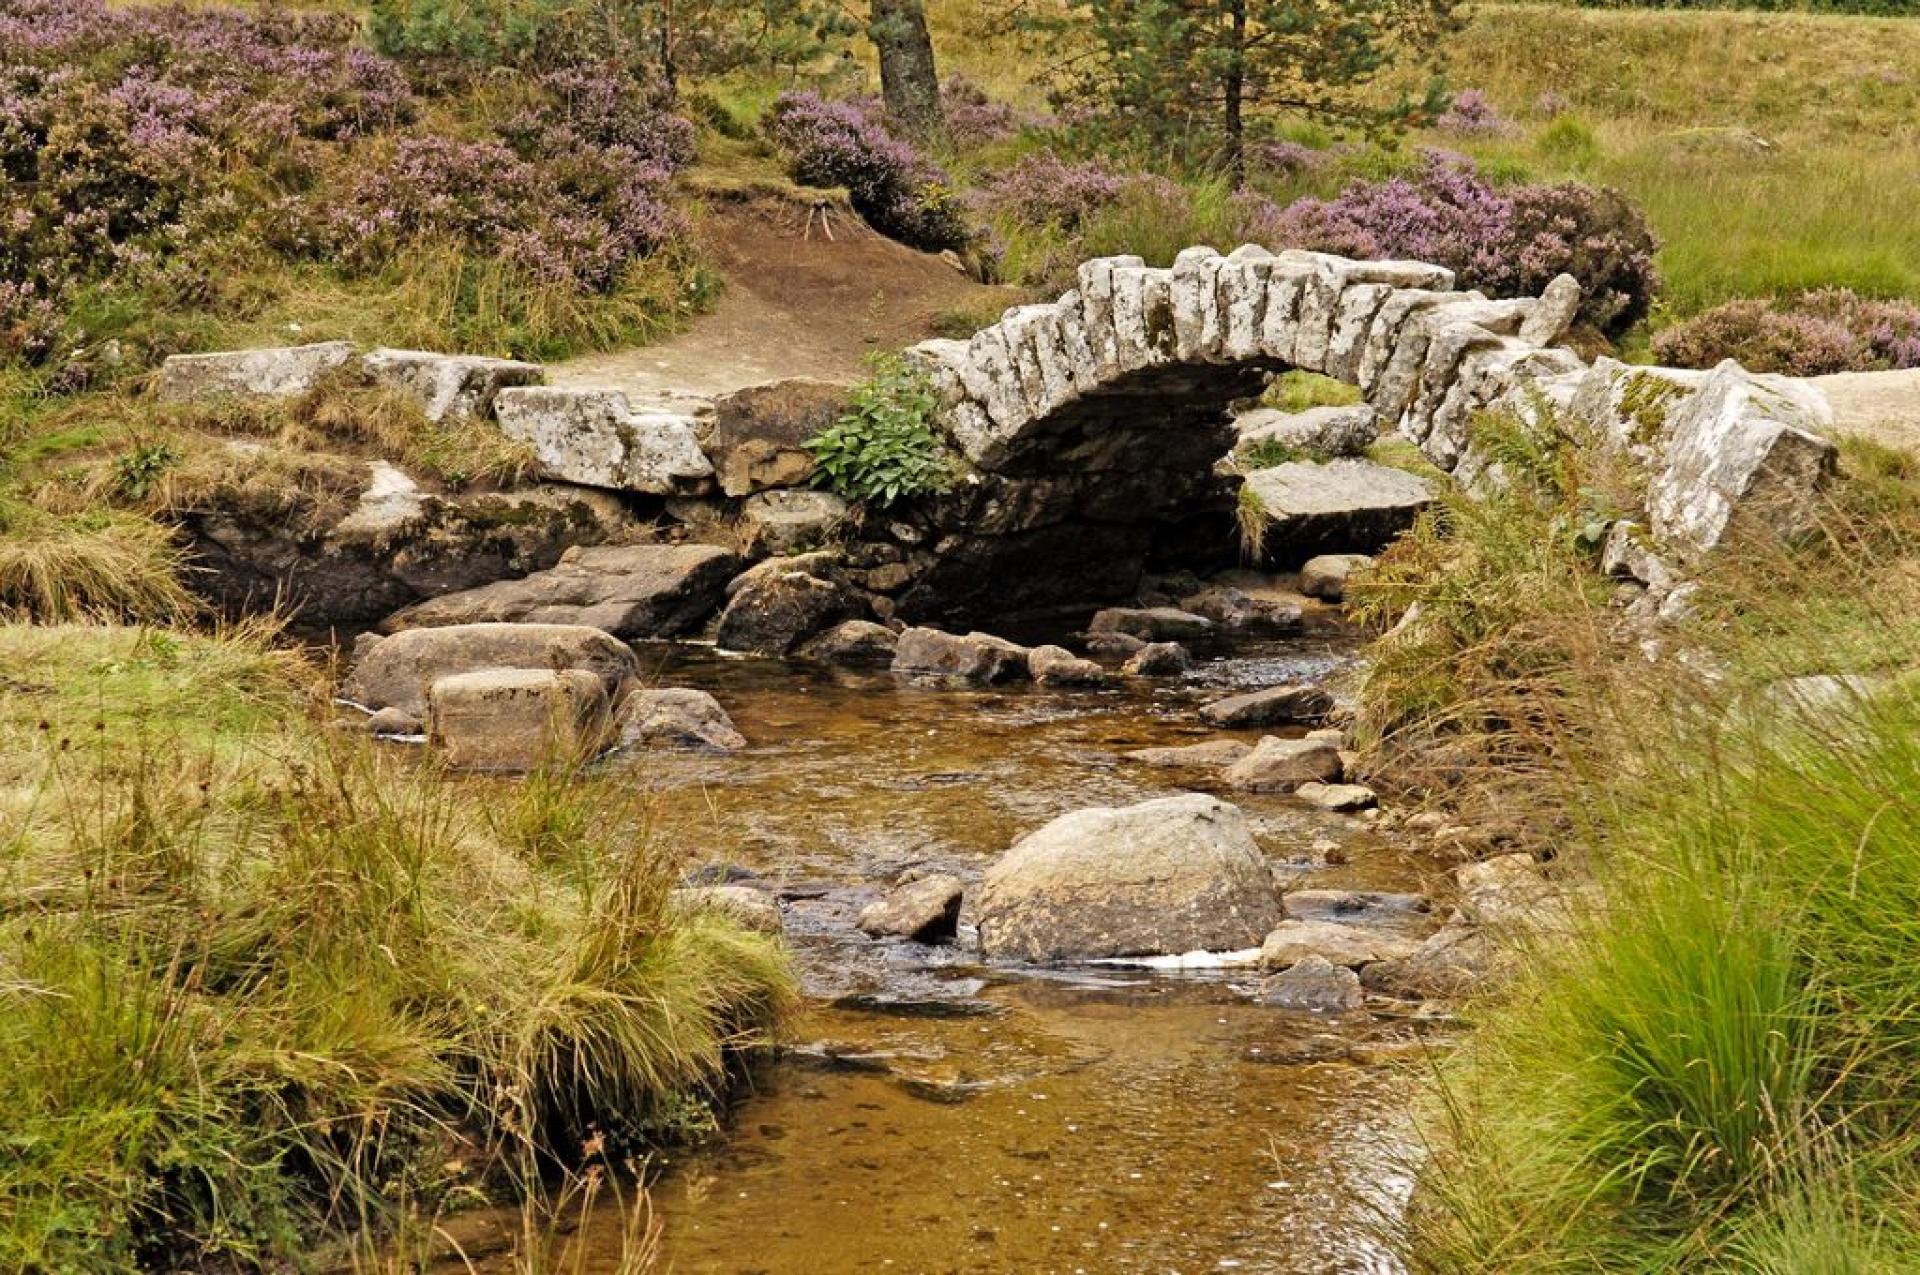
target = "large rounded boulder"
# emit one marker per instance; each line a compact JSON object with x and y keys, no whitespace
{"x":1179,"y":874}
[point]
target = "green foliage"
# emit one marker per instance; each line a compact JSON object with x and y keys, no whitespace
{"x":1569,"y":142}
{"x":137,"y":470}
{"x":1190,"y":80}
{"x":1269,"y":452}
{"x":666,"y":38}
{"x":1880,"y":8}
{"x":886,"y":448}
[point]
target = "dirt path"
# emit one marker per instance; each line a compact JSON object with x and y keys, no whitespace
{"x":796,"y":304}
{"x":1881,"y":406}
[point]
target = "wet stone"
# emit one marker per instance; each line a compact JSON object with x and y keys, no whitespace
{"x":1315,"y":985}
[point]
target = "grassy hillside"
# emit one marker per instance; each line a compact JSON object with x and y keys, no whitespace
{"x":1773,"y":152}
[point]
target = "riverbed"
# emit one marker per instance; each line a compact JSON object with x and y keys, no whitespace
{"x":933,"y":1113}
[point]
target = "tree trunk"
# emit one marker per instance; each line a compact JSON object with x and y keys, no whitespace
{"x":1235,"y":86}
{"x":908,"y":81}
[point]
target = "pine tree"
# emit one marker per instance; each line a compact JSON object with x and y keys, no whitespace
{"x":1192,"y":77}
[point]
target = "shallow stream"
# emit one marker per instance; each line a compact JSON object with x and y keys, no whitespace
{"x":935,"y":1114}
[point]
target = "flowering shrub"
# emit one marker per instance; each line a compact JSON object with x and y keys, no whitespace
{"x":1812,"y":334}
{"x":139,"y":143}
{"x":1471,"y":114}
{"x":838,"y":144}
{"x":1286,"y":159}
{"x":575,"y":220}
{"x":120,"y":129}
{"x":1509,"y":242}
{"x":974,"y":119}
{"x":1044,"y":190}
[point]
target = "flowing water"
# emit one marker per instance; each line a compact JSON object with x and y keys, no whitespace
{"x":936,"y":1114}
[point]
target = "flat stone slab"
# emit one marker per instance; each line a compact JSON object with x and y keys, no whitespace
{"x":1342,"y":506}
{"x":449,"y":385}
{"x":597,"y":438}
{"x":399,"y":671}
{"x":631,"y":591}
{"x":274,"y":372}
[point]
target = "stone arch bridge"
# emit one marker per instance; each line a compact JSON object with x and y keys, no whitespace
{"x":1093,"y":422}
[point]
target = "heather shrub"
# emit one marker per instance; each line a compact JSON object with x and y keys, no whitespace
{"x":975,"y":119}
{"x":1812,"y":334}
{"x":1044,"y":190}
{"x":1286,"y":159}
{"x":1472,"y":114}
{"x":122,"y":130}
{"x":1508,"y":242}
{"x":900,"y":193}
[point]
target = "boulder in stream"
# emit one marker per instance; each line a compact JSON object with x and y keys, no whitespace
{"x":1349,"y":945}
{"x":674,"y":717}
{"x":1158,"y":659}
{"x":398,"y":671}
{"x":776,"y":611}
{"x":1274,"y":706}
{"x":852,"y":642}
{"x":517,"y":719}
{"x":1057,"y":666}
{"x":1313,"y":984}
{"x":1282,"y":765}
{"x":926,"y":909}
{"x":1174,"y":875}
{"x":970,"y":657}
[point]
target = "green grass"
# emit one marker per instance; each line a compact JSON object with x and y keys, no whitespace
{"x":1710,"y":1071}
{"x":1768,"y":149}
{"x":263,"y":983}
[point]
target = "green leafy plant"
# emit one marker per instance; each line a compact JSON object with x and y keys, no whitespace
{"x":886,"y":447}
{"x":136,"y":471}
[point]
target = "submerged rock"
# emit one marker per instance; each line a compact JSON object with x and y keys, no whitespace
{"x":1313,"y":984}
{"x":926,"y":910}
{"x":398,"y":671}
{"x":672,"y":717}
{"x":1211,"y":755}
{"x":1173,"y":875}
{"x":631,"y":591}
{"x":517,"y":719}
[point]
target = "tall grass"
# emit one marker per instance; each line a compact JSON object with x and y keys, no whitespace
{"x":1711,"y":1069}
{"x":260,"y":982}
{"x":1768,"y":149}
